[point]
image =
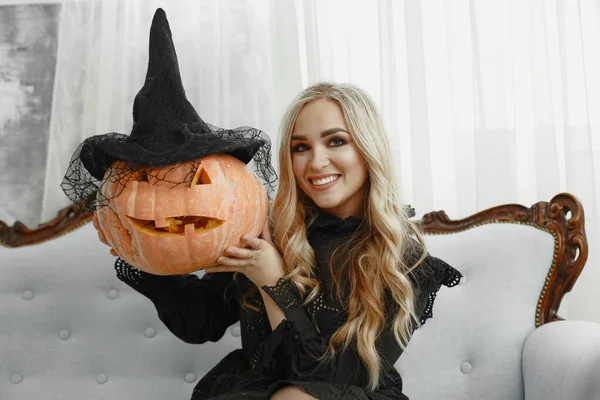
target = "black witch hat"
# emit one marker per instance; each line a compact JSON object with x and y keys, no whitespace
{"x":166,"y":129}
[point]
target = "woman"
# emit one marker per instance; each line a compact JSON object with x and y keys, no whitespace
{"x":328,"y":306}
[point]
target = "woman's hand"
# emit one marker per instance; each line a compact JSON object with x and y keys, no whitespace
{"x":101,"y":234}
{"x":260,"y":262}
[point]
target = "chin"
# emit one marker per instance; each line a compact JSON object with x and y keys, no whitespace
{"x":327,"y":204}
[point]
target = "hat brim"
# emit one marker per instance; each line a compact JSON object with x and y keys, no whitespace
{"x":99,"y":152}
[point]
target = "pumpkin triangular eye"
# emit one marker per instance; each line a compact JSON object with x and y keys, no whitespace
{"x":201,"y":178}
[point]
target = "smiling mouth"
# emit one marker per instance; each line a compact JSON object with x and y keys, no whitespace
{"x":324,"y":181}
{"x":177,"y":225}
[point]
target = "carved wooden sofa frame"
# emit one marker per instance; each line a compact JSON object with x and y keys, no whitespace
{"x":563,"y":217}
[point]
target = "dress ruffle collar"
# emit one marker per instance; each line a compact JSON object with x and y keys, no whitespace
{"x":327,"y":220}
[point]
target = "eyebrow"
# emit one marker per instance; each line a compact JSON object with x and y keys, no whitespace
{"x":325,"y":133}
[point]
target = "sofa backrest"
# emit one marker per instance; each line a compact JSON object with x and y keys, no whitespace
{"x":69,"y":329}
{"x":473,"y":344}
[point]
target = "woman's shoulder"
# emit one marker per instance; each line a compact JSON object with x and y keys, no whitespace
{"x":432,"y":271}
{"x":427,"y":278}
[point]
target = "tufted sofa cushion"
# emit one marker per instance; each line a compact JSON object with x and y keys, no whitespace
{"x":70,"y":330}
{"x":472,"y":347}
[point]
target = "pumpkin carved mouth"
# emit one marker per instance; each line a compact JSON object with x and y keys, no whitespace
{"x":176,"y":225}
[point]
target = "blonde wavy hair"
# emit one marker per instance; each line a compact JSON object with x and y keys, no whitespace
{"x":374,"y":259}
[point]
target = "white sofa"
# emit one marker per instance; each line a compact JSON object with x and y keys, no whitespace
{"x":70,"y":330}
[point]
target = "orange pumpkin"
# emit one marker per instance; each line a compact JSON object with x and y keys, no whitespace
{"x":167,"y":229}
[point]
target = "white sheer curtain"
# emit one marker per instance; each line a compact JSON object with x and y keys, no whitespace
{"x":231,"y":54}
{"x":486,"y":101}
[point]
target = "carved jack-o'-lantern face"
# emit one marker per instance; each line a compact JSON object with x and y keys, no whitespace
{"x":165,"y":229}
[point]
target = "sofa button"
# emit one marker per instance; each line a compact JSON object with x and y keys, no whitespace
{"x":113,"y":294}
{"x":16,"y":378}
{"x":463,"y":280}
{"x":101,"y":378}
{"x":466,"y":368}
{"x":236,"y":331}
{"x":150,"y":332}
{"x":27,"y":294}
{"x":288,"y":324}
{"x":64,"y":334}
{"x":296,"y":337}
{"x":190,"y":377}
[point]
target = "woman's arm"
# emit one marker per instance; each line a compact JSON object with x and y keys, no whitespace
{"x":193,"y":309}
{"x":274,"y":313}
{"x":427,"y":280}
{"x":303,"y":344}
{"x":298,"y":337}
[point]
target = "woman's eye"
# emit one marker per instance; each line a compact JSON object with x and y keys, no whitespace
{"x":299,"y":148}
{"x":336,"y":142}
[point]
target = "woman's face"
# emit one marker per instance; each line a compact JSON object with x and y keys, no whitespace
{"x":327,"y":164}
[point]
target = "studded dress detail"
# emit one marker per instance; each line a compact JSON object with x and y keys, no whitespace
{"x":198,"y":310}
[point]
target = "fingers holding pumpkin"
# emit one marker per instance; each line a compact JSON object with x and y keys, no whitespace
{"x":95,"y":221}
{"x":237,"y":257}
{"x":253,"y":242}
{"x":244,"y":256}
{"x":101,"y":235}
{"x":260,"y":262}
{"x":240,"y":253}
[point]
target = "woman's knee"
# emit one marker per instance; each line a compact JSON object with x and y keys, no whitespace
{"x":292,"y":393}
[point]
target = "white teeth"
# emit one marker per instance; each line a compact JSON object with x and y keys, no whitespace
{"x":323,"y":181}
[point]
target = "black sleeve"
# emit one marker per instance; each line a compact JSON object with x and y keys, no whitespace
{"x":303,"y":345}
{"x":193,"y":309}
{"x":428,"y":278}
{"x":300,"y":342}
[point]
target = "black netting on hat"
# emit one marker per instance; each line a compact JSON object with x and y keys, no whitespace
{"x":84,"y":177}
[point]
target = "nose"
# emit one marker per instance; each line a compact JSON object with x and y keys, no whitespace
{"x":319,"y":160}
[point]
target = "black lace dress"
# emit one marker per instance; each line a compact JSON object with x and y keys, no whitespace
{"x":198,"y":310}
